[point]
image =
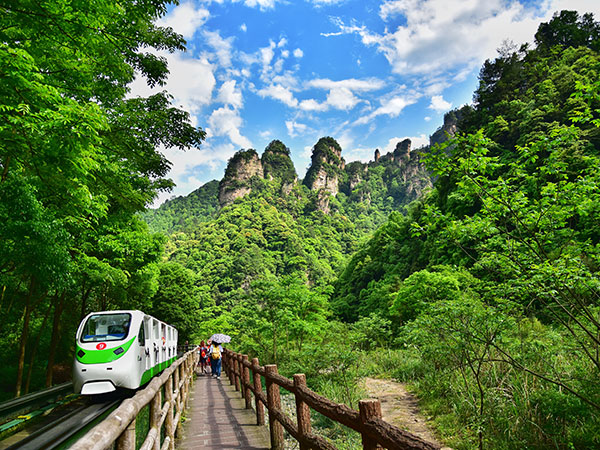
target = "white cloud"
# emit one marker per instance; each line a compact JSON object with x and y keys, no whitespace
{"x":320,"y":3}
{"x":437,"y":35}
{"x":191,"y":82}
{"x":278,"y":92}
{"x":370,"y":84}
{"x":298,"y":53}
{"x":342,"y":98}
{"x":243,"y":27}
{"x":285,"y":53}
{"x":227,"y":122}
{"x":390,"y":107}
{"x":262,"y":4}
{"x":230,"y":95}
{"x":313,"y":105}
{"x":416,"y":142}
{"x":223,"y":47}
{"x":295,"y":128}
{"x":438,"y":104}
{"x":185,"y":19}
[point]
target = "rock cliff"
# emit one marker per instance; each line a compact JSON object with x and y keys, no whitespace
{"x":237,"y":182}
{"x":325,"y":172}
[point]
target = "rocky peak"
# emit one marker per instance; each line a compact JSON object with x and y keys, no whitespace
{"x":236,"y":183}
{"x":277,"y":164}
{"x":377,"y":154}
{"x":326,"y":168}
{"x":447,"y":130}
{"x":402,"y":149}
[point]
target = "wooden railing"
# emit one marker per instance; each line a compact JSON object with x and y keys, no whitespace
{"x":119,"y":426}
{"x":367,"y":421}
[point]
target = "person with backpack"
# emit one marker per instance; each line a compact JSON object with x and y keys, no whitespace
{"x":203,"y":352}
{"x":215,"y":351}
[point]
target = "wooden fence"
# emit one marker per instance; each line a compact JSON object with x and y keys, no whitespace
{"x":367,"y":421}
{"x":119,"y":426}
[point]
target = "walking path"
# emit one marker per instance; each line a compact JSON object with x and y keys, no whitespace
{"x":217,"y":418}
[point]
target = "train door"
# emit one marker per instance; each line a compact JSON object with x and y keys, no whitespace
{"x":148,"y":343}
{"x":155,"y":341}
{"x":163,"y":344}
{"x":140,"y":363}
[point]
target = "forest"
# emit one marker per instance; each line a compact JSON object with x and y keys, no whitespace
{"x":482,"y":294}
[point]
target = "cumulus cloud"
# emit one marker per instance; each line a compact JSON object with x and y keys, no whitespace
{"x":298,"y":53}
{"x":342,"y":98}
{"x":185,"y":19}
{"x":295,"y":128}
{"x":223,"y":47}
{"x":436,"y":35}
{"x":415,"y":142}
{"x":226,"y":121}
{"x":278,"y":92}
{"x":438,"y":104}
{"x":191,"y":82}
{"x":390,"y":107}
{"x":262,"y":4}
{"x":230,"y":94}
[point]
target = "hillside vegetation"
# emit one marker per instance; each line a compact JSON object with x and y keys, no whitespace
{"x":467,"y":269}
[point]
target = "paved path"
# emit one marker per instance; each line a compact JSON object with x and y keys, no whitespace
{"x":217,"y":418}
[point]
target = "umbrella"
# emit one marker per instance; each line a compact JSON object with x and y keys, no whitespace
{"x":220,"y":338}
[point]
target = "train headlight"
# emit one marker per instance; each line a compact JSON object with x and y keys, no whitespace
{"x":118,"y":350}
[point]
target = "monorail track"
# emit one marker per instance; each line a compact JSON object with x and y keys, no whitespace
{"x":61,"y":426}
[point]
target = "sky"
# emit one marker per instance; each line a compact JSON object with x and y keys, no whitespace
{"x":368,"y":73}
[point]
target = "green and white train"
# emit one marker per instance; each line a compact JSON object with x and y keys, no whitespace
{"x":121,"y":349}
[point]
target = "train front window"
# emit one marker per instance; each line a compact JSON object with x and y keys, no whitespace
{"x":106,"y":327}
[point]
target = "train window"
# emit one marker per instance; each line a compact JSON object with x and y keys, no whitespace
{"x":141,"y":335}
{"x":106,"y":327}
{"x":155,"y":328}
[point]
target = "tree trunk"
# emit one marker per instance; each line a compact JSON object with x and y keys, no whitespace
{"x":24,"y":334}
{"x":34,"y":350}
{"x":58,"y":310}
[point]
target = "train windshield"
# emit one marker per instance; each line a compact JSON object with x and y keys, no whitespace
{"x":106,"y":327}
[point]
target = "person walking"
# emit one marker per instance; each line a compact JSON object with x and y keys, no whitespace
{"x":203,"y":351}
{"x":216,"y":352}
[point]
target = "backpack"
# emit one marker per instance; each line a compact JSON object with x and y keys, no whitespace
{"x":216,"y":353}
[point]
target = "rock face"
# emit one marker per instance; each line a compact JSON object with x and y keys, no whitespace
{"x":446,"y":131}
{"x":237,"y":182}
{"x":326,"y":170}
{"x":277,"y":164}
{"x":377,"y":154}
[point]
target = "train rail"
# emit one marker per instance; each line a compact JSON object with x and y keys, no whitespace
{"x":62,"y":428}
{"x":34,"y":400}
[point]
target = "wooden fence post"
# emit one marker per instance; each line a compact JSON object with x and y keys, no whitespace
{"x":127,"y":439}
{"x":170,"y":431}
{"x":369,"y":410}
{"x":302,"y":411}
{"x":231,"y":366}
{"x":155,"y":411}
{"x":246,"y":382}
{"x":274,"y":402}
{"x":238,"y":372}
{"x":260,"y":411}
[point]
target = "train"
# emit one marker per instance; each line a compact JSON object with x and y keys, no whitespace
{"x":121,"y":350}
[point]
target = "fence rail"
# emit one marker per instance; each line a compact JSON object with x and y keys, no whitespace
{"x":119,"y":426}
{"x":367,"y":421}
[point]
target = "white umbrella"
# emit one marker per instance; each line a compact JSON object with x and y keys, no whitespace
{"x":220,"y":338}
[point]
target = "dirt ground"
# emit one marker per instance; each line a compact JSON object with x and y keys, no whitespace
{"x":399,"y":407}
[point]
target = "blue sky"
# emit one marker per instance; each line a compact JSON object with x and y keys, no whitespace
{"x":368,"y":73}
